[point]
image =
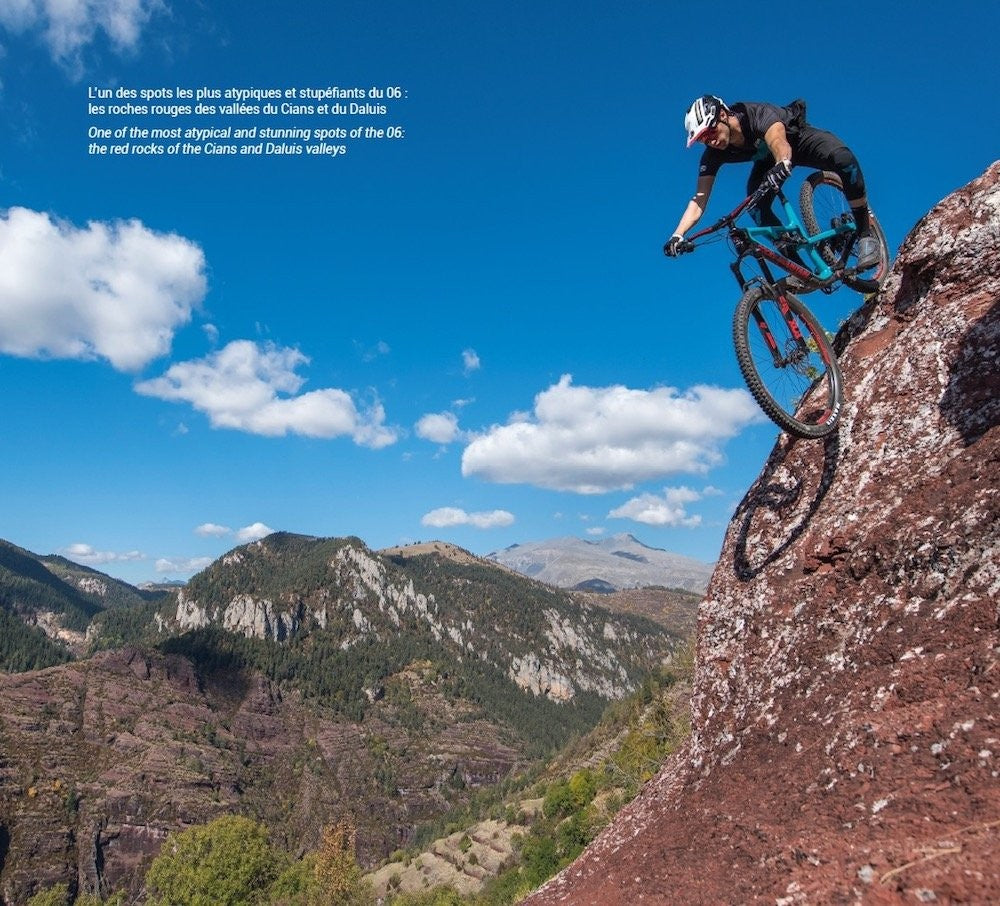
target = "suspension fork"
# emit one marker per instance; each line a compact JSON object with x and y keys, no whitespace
{"x":745,"y":246}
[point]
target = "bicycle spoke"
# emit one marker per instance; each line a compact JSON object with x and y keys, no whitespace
{"x":787,"y":361}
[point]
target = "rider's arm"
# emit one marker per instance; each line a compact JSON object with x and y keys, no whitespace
{"x":777,"y":143}
{"x":696,"y":206}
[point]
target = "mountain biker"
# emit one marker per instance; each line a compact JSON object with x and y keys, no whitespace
{"x":774,"y":138}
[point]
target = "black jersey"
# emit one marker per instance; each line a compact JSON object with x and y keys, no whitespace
{"x":754,"y":119}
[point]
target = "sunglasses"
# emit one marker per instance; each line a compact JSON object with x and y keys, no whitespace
{"x":709,"y":133}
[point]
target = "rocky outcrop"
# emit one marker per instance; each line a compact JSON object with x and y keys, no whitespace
{"x":51,"y":624}
{"x":245,"y":615}
{"x":846,"y":713}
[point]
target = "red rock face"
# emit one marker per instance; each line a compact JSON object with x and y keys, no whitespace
{"x":101,"y":759}
{"x":846,"y":714}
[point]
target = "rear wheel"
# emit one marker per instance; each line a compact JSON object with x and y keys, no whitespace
{"x":824,"y":206}
{"x":788,"y":362}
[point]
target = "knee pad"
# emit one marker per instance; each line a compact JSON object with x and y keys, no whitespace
{"x":846,"y":166}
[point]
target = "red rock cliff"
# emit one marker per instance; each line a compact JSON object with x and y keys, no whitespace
{"x":846,"y":714}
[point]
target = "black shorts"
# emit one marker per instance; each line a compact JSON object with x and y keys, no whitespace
{"x":818,"y":150}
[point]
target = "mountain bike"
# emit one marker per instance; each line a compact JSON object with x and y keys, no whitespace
{"x":784,"y":353}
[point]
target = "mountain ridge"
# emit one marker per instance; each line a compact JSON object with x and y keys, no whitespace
{"x":614,"y":563}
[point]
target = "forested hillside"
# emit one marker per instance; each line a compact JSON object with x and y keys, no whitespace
{"x":299,"y":681}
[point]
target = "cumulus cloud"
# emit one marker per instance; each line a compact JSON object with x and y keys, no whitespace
{"x":113,"y":291}
{"x":668,"y":508}
{"x":447,"y":516}
{"x":254,"y":532}
{"x":249,"y":387}
{"x":211,"y":530}
{"x":596,"y":439}
{"x":68,"y":26}
{"x":84,"y":553}
{"x":439,"y":428}
{"x":470,"y":361}
{"x":182,"y":565}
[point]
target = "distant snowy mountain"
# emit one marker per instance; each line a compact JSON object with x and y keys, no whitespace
{"x":610,"y":564}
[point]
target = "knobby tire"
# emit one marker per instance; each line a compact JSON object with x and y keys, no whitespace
{"x":822,"y":201}
{"x":803,"y":394}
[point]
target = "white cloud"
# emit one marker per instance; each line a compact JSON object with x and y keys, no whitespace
{"x":665,"y":509}
{"x":439,"y":428}
{"x":211,"y":530}
{"x":114,"y":291}
{"x":254,"y":532}
{"x":596,"y":439}
{"x":449,"y":516}
{"x":596,"y":530}
{"x":238,"y":387}
{"x":67,"y":26}
{"x":370,"y":353}
{"x":84,"y":553}
{"x":182,"y":565}
{"x":470,"y":361}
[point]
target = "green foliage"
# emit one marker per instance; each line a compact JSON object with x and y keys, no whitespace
{"x":576,"y":806}
{"x":566,"y":797}
{"x":283,"y":567}
{"x":26,"y":584}
{"x":228,"y":862}
{"x":297,"y":885}
{"x":90,"y":899}
{"x":573,"y":835}
{"x":124,"y":626}
{"x":53,"y":896}
{"x":338,"y":678}
{"x":24,"y":647}
{"x":582,"y":787}
{"x":439,"y":896}
{"x":487,"y":801}
{"x":648,"y":742}
{"x":30,"y":585}
{"x":59,"y":896}
{"x":114,"y":595}
{"x":539,"y":858}
{"x":557,"y":801}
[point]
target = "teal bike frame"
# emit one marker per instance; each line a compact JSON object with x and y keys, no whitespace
{"x":748,"y":241}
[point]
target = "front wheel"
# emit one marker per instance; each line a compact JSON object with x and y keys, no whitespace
{"x":788,"y":362}
{"x":825,"y":206}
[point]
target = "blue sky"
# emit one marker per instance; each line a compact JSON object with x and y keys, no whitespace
{"x":469,"y":333}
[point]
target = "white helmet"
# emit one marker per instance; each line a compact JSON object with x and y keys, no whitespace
{"x":702,"y":116}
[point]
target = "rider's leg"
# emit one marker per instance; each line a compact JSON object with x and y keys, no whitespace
{"x":824,"y":151}
{"x":846,"y":166}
